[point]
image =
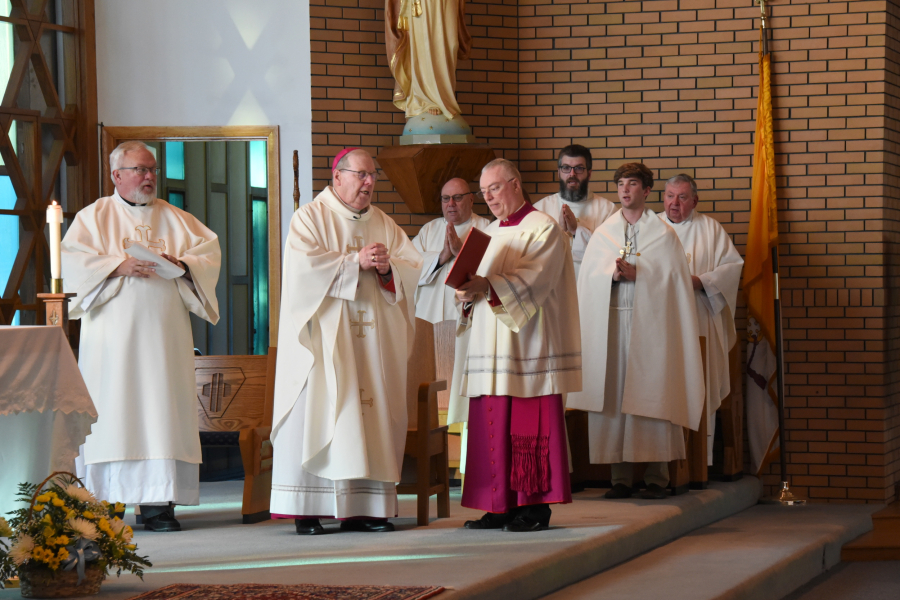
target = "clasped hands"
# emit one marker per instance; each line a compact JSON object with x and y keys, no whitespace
{"x":624,"y":270}
{"x":567,"y":220}
{"x":452,"y":245}
{"x":375,"y":256}
{"x":132,"y":267}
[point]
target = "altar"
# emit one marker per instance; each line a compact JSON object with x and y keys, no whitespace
{"x":45,"y":408}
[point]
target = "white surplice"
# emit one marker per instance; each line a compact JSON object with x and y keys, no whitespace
{"x":589,"y":213}
{"x":137,"y":353}
{"x":640,"y":342}
{"x":530,"y":346}
{"x":340,"y":412}
{"x":713,"y":258}
{"x":436,"y":302}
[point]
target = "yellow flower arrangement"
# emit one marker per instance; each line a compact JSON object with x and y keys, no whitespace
{"x":62,"y":524}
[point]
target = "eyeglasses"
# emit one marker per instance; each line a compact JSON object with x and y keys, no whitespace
{"x":568,"y":169}
{"x":363,"y":174}
{"x":455,"y":197}
{"x":141,"y":171}
{"x":493,"y":190}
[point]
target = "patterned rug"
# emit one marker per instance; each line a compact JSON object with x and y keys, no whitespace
{"x":303,"y":591}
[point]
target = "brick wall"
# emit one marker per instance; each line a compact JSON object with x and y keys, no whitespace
{"x":673,"y":83}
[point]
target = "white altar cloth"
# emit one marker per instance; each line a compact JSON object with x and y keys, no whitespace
{"x":45,"y":408}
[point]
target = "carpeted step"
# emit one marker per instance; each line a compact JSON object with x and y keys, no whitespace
{"x":763,"y":553}
{"x":882,"y":543}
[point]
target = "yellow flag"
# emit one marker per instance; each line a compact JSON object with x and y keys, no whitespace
{"x":759,"y":280}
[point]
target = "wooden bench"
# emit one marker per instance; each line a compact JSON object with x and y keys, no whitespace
{"x":235,"y":395}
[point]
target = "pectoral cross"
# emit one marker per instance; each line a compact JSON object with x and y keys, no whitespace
{"x":142,"y":232}
{"x":627,"y":250}
{"x":362,"y":323}
{"x":368,"y":402}
{"x":360,"y":243}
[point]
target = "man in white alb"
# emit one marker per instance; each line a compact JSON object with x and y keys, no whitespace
{"x":439,"y":242}
{"x":641,"y":339}
{"x":346,"y":331}
{"x":523,"y":354}
{"x":715,"y":266}
{"x":578,"y":214}
{"x":136,"y":352}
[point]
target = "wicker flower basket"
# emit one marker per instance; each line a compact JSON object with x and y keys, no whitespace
{"x":37,"y":582}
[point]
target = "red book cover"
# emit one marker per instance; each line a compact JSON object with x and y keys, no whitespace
{"x":469,"y":258}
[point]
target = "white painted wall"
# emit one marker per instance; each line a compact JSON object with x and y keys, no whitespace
{"x":210,"y":62}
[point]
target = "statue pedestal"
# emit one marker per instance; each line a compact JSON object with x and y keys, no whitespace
{"x":419,"y":171}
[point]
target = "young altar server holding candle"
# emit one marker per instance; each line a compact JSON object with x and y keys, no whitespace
{"x":137,"y":353}
{"x":346,"y":332}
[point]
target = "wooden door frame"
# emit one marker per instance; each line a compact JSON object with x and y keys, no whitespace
{"x":113,"y":136}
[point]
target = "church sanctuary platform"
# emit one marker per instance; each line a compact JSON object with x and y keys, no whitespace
{"x":714,"y":543}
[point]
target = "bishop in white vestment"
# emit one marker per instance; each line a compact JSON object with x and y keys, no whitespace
{"x":439,"y":242}
{"x":136,"y":352}
{"x":346,"y":331}
{"x":578,"y":214}
{"x":641,"y":339}
{"x":523,"y":354}
{"x":715,"y":266}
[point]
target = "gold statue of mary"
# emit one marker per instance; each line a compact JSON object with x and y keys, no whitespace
{"x":425,"y":39}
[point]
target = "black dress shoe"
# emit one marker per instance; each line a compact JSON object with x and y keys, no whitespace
{"x":491,"y":521}
{"x":162,"y":522}
{"x":655,"y":492}
{"x":367,"y":525}
{"x":308,"y":527}
{"x":618,"y":491}
{"x":524,"y":523}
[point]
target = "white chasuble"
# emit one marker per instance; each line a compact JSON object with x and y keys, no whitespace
{"x":530,"y":345}
{"x":641,"y":342}
{"x":436,"y":302}
{"x":340,"y":414}
{"x":137,"y":353}
{"x":589,"y":213}
{"x":713,"y":258}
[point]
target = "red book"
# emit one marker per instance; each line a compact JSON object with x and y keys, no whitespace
{"x":469,"y":258}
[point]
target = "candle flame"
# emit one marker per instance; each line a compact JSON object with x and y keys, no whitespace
{"x":54,"y":203}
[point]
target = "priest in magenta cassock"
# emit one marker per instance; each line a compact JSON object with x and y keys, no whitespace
{"x":346,"y":332}
{"x":641,"y":340}
{"x":574,"y":208}
{"x":523,"y":354}
{"x":715,"y":266}
{"x":136,"y":352}
{"x":439,"y":242}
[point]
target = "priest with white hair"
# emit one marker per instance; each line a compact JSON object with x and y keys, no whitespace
{"x":136,"y":352}
{"x":715,"y":266}
{"x":346,"y":332}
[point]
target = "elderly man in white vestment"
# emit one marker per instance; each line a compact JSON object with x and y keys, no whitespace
{"x":136,"y":352}
{"x":439,"y":242}
{"x":523,"y":354}
{"x":346,"y":331}
{"x":715,"y":266}
{"x":578,"y":214}
{"x":641,"y":339}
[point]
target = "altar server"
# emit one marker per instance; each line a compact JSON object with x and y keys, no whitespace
{"x":136,"y":352}
{"x":439,"y":242}
{"x":715,"y":266}
{"x":577,"y":213}
{"x":346,"y":331}
{"x":641,"y":339}
{"x":523,"y":354}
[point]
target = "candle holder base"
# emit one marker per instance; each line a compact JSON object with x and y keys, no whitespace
{"x":57,"y":307}
{"x":56,"y":286}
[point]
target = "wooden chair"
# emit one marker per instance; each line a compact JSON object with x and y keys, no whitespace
{"x":426,"y":439}
{"x":732,"y":419}
{"x":235,"y":397}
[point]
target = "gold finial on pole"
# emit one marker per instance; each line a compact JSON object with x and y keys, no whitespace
{"x":296,"y":181}
{"x":762,"y":11}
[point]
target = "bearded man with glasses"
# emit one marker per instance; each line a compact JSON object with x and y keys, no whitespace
{"x":345,"y":335}
{"x":136,"y":350}
{"x":520,"y":312}
{"x":577,"y":213}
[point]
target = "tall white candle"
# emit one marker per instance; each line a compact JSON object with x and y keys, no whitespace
{"x":55,"y":219}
